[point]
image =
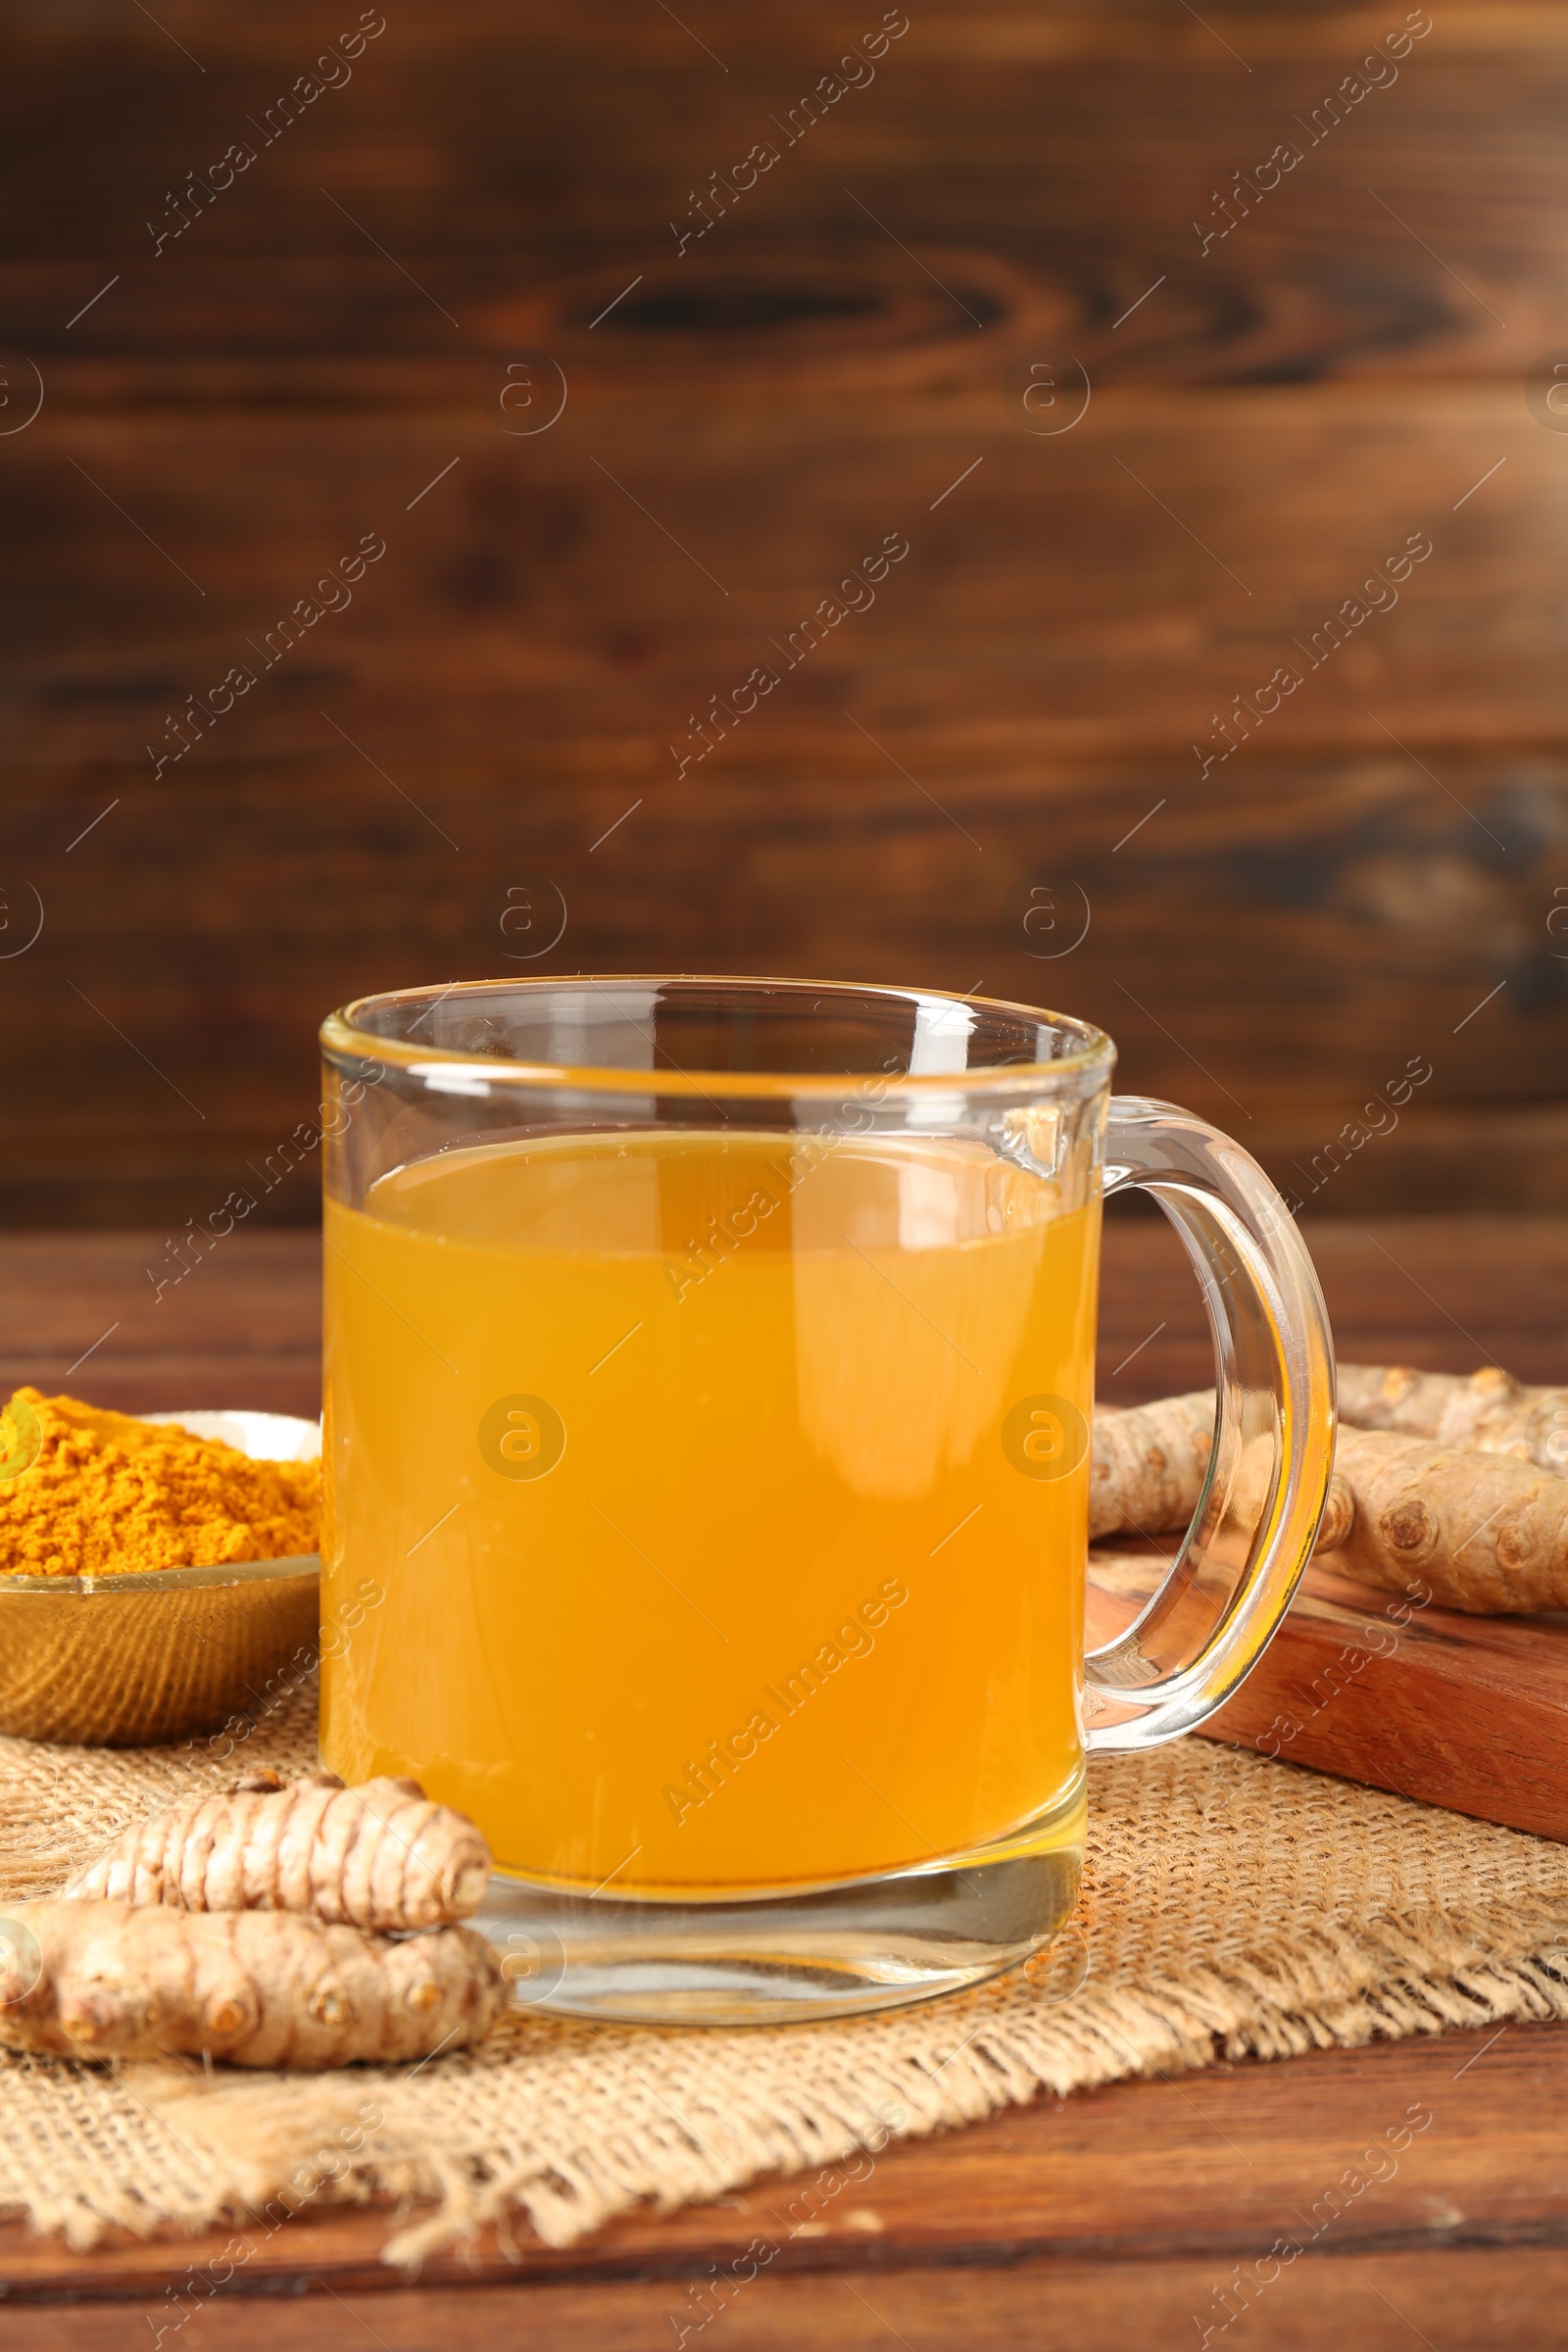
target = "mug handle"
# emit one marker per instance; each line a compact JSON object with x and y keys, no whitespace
{"x":1273,"y":1451}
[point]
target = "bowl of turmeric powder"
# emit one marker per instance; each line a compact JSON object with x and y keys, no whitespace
{"x":155,"y":1571}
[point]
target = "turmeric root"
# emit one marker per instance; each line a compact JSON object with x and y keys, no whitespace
{"x":1468,"y":1526}
{"x":1491,"y":1412}
{"x":1148,"y":1465}
{"x":1471,"y":1531}
{"x":97,"y":1980}
{"x":378,"y":1857}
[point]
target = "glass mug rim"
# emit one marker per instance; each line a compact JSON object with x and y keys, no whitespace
{"x":1089,"y":1053}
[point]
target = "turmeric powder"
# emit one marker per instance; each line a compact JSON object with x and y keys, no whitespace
{"x":86,"y":1491}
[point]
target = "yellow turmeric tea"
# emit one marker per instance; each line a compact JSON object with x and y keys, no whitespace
{"x":729,"y":1496}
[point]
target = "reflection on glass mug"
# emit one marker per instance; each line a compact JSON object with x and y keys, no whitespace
{"x":710,"y":1388}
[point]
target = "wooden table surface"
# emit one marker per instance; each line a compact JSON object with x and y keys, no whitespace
{"x":1126,"y":2213}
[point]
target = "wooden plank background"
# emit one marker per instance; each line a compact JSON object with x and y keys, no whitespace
{"x":986,"y":778}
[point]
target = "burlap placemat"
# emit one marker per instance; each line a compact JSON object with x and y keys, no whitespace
{"x":1232,"y":1905}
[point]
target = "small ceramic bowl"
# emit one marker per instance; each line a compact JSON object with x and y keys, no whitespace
{"x":131,"y":1661}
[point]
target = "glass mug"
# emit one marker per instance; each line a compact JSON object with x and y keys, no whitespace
{"x":709,"y":1373}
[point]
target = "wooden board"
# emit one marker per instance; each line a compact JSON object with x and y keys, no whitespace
{"x":1466,"y":1712}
